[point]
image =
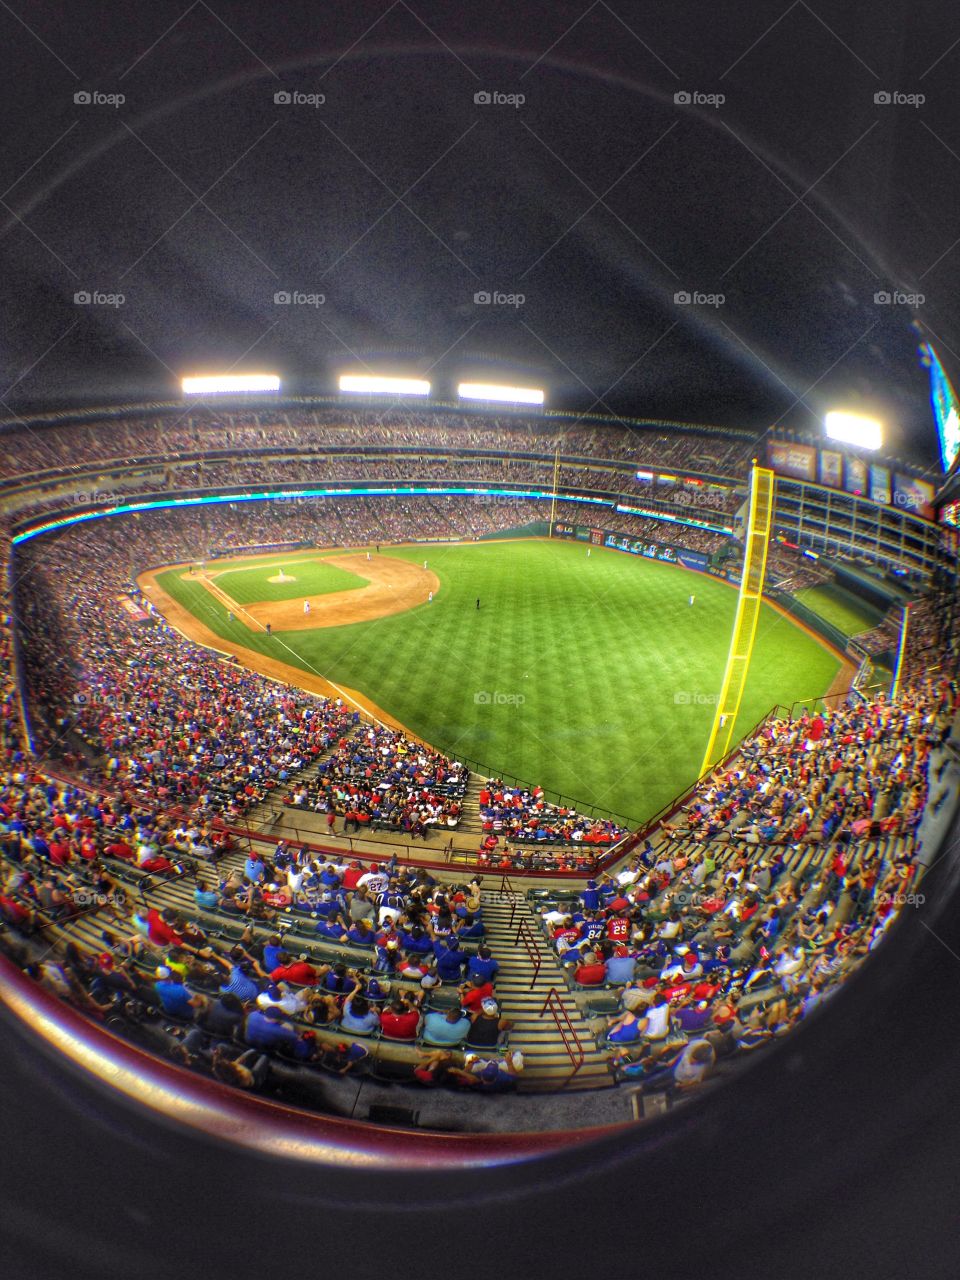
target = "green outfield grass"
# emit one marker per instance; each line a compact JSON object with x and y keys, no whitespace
{"x":312,"y":578}
{"x":840,"y":608}
{"x":591,"y":676}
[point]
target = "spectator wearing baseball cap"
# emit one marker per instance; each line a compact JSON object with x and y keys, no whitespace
{"x":494,"y":1076}
{"x":472,"y":993}
{"x":487,"y":1029}
{"x":174,"y":997}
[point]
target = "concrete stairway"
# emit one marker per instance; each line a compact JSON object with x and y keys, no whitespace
{"x":547,"y":1063}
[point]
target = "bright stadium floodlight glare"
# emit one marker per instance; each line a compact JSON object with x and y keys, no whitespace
{"x":854,"y":428}
{"x":221,"y":383}
{"x":375,"y":383}
{"x":502,"y":394}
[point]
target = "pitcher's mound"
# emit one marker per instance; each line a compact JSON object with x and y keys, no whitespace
{"x":282,"y":577}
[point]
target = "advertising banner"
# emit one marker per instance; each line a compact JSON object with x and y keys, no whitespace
{"x":916,"y":496}
{"x":831,"y":468}
{"x":656,"y":551}
{"x":855,"y":475}
{"x":693,"y":560}
{"x":796,"y":460}
{"x":880,"y":484}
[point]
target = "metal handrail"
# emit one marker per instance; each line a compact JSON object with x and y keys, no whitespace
{"x":534,"y":954}
{"x":508,"y":893}
{"x":573,"y":1046}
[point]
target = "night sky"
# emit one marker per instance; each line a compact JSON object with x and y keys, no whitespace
{"x":582,"y":196}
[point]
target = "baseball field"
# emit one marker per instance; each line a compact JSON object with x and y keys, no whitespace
{"x":593,"y":675}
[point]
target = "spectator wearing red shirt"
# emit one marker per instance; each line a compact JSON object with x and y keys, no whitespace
{"x":119,"y":849}
{"x":473,"y":993}
{"x":160,"y":927}
{"x":592,"y":973}
{"x":300,"y":973}
{"x":59,"y":852}
{"x":352,"y":874}
{"x":618,"y":929}
{"x":401,"y":1019}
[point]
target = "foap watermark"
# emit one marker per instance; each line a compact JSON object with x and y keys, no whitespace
{"x":694,"y":298}
{"x":90,"y":898}
{"x":94,"y":98}
{"x":295,"y":98}
{"x":701,"y":498}
{"x":295,"y":298}
{"x":686,"y":897}
{"x":900,"y":899}
{"x":91,"y":697}
{"x":896,"y":298}
{"x":94,"y":498}
{"x":97,"y":298}
{"x":894,"y":98}
{"x":495,"y":499}
{"x":694,"y":98}
{"x":691,"y":698}
{"x":909,"y":500}
{"x":494,"y":98}
{"x":484,"y":698}
{"x":494,"y":298}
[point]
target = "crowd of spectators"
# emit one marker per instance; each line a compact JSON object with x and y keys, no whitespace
{"x":359,"y":952}
{"x":788,"y":569}
{"x":780,"y":877}
{"x":379,"y":778}
{"x":659,"y":533}
{"x":43,"y":445}
{"x":827,"y":777}
{"x":517,"y":815}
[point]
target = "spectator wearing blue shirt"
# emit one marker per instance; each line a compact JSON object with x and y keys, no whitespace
{"x":240,"y":983}
{"x":448,"y":1028}
{"x":332,"y":929}
{"x":621,"y":969}
{"x":267,"y":1029}
{"x":450,"y":962}
{"x":357,"y":1015}
{"x":482,"y":965}
{"x":590,"y":896}
{"x":337,"y":980}
{"x":271,"y":953}
{"x":254,"y":870}
{"x":418,"y":941}
{"x":173,"y":995}
{"x":205,"y":898}
{"x":329,"y":905}
{"x":360,"y":934}
{"x":471,"y":928}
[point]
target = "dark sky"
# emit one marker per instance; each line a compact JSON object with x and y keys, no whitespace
{"x":598,"y":198}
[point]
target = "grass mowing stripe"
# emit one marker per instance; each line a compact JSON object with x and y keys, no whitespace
{"x":842,"y":608}
{"x":592,"y":676}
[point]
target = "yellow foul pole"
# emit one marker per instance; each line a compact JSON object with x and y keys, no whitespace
{"x":749,"y":600}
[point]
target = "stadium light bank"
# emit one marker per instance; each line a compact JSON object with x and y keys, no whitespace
{"x":853,"y":428}
{"x":497,"y":392}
